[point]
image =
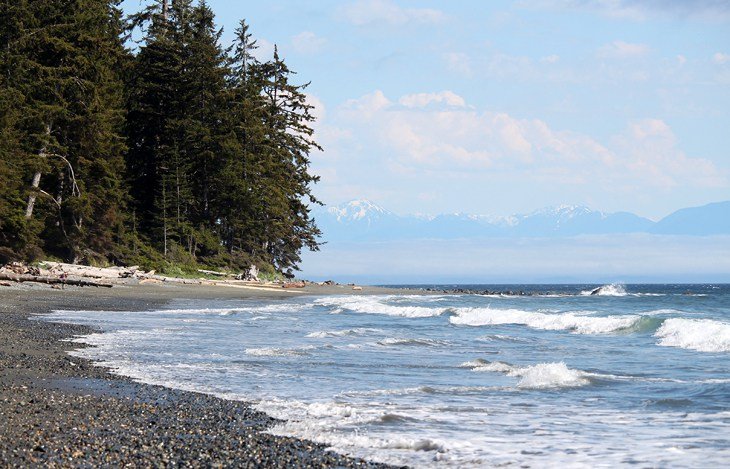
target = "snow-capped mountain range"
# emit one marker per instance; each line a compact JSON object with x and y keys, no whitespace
{"x":362,"y":220}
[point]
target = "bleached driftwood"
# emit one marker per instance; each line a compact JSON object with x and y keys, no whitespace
{"x":56,"y":268}
{"x":51,"y":280}
{"x":252,"y":274}
{"x":162,"y":278}
{"x":213,"y":272}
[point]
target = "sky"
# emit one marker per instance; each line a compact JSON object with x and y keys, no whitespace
{"x":501,"y":107}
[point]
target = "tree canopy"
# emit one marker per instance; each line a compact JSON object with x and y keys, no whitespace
{"x":178,"y":152}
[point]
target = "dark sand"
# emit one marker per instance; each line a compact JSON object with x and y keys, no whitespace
{"x":60,"y":411}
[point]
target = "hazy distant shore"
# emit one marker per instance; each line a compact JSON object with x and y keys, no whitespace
{"x":61,"y":411}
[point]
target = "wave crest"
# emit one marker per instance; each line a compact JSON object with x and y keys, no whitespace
{"x":342,"y":333}
{"x":578,"y":324}
{"x":549,"y":375}
{"x":612,"y":289}
{"x":540,"y":376}
{"x":378,"y":305}
{"x":279,"y":352}
{"x":702,"y":335}
{"x":395,"y":341}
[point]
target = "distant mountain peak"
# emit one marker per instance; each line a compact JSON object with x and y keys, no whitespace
{"x":358,"y":209}
{"x":564,"y":210}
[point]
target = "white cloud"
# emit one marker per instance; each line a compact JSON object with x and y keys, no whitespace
{"x":369,"y":104}
{"x":307,"y":42}
{"x":649,"y":147}
{"x":640,"y":10}
{"x":326,"y":134}
{"x":460,"y":139}
{"x":720,"y":58}
{"x":265,"y":50}
{"x":364,"y":12}
{"x":623,"y":50}
{"x":421,"y":100}
{"x":681,"y":60}
{"x":318,"y":108}
{"x":625,"y":9}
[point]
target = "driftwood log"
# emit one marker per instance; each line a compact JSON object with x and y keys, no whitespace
{"x":213,"y":272}
{"x":294,"y":285}
{"x":55,"y":268}
{"x":51,"y":280}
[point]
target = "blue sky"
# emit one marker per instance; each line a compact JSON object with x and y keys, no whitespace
{"x":497,"y":107}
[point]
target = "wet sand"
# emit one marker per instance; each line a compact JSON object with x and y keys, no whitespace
{"x":60,"y":411}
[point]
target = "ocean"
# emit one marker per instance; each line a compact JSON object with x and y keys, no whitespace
{"x":633,"y":375}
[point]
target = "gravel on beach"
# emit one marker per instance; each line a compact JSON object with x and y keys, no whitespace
{"x":61,"y":411}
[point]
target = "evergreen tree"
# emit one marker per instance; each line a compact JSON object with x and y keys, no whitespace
{"x":61,"y":62}
{"x":205,"y":126}
{"x":157,"y":173}
{"x":288,"y":226}
{"x":213,"y":164}
{"x":242,"y":176}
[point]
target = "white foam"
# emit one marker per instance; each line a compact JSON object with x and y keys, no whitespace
{"x":499,"y":367}
{"x":331,"y":423}
{"x":540,"y":376}
{"x":473,"y":363}
{"x":613,"y":289}
{"x":378,"y":305}
{"x":501,"y":338}
{"x":395,"y":341}
{"x":269,"y":308}
{"x":343,"y":333}
{"x":574,"y":322}
{"x":702,"y":335}
{"x":549,"y":375}
{"x":424,"y":444}
{"x":278,"y":352}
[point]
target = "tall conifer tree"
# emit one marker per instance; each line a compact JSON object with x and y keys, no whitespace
{"x":62,"y":66}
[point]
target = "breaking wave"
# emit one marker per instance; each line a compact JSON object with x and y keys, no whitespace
{"x":378,"y":305}
{"x":395,"y":341}
{"x":549,"y":375}
{"x":613,"y":289}
{"x":702,"y":335}
{"x":279,"y":352}
{"x":343,"y":333}
{"x":573,"y":322}
{"x":540,"y":376}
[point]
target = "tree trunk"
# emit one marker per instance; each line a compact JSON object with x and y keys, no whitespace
{"x":164,"y":218}
{"x":33,"y":195}
{"x":36,"y":180}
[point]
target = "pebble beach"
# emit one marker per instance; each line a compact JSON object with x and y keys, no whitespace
{"x":60,"y":411}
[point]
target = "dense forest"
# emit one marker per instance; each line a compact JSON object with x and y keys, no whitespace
{"x":143,"y":140}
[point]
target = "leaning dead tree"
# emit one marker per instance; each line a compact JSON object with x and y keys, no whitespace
{"x":35,"y":183}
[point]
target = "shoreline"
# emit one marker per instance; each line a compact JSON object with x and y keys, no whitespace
{"x":62,"y":411}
